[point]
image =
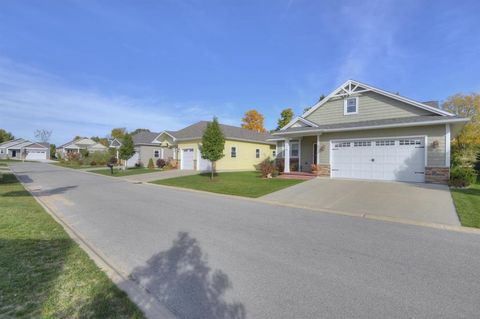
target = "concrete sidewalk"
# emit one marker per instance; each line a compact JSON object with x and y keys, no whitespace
{"x":414,"y":201}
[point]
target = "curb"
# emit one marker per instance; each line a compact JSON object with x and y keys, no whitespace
{"x":150,"y":306}
{"x":460,"y":229}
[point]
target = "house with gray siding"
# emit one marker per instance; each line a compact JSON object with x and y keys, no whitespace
{"x":146,"y":147}
{"x":362,"y":132}
{"x":22,"y":149}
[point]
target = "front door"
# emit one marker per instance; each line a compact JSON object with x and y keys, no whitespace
{"x":14,"y":153}
{"x":315,"y":153}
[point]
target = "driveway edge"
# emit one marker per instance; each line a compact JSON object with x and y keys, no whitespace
{"x":460,"y":229}
{"x":150,"y":306}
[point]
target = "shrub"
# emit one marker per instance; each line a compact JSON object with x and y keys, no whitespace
{"x":280,"y":166}
{"x":267,"y":168}
{"x":172,"y":164}
{"x":150,"y":164}
{"x":93,"y":163}
{"x":462,"y":176}
{"x":72,"y":156}
{"x":161,"y":163}
{"x":112,"y":160}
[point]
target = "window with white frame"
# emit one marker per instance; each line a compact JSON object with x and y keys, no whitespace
{"x":257,"y":153}
{"x":156,"y":153}
{"x":350,"y":105}
{"x":274,"y":153}
{"x":233,"y":151}
{"x":294,"y":148}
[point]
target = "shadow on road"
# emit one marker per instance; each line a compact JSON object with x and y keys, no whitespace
{"x":48,"y":192}
{"x":181,"y":279}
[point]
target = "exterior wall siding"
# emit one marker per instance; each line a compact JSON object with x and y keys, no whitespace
{"x":146,"y":153}
{"x":245,"y":160}
{"x":371,"y":106}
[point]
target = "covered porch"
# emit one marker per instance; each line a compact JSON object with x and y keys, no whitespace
{"x":301,"y":154}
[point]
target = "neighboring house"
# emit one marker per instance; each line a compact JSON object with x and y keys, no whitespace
{"x":359,"y":131}
{"x":80,"y":144}
{"x":244,"y":149}
{"x":146,"y":148}
{"x":22,"y":149}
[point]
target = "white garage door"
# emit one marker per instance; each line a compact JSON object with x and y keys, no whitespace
{"x":187,"y":158}
{"x":36,"y":155}
{"x":393,"y":159}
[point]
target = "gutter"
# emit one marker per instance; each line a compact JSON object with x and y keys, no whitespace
{"x":358,"y":128}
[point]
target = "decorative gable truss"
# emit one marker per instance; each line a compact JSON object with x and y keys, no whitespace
{"x":352,"y":87}
{"x":299,"y":122}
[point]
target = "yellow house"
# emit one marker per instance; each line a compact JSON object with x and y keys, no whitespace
{"x":244,"y":149}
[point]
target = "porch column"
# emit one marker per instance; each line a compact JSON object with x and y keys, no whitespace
{"x":318,"y":149}
{"x":447,"y":145}
{"x":300,"y":154}
{"x":286,"y":156}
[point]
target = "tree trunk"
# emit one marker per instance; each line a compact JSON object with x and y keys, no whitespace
{"x":212,"y":170}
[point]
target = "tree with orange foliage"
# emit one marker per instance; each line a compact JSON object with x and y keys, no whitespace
{"x":253,"y":120}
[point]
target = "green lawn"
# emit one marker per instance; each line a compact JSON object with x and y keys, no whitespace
{"x":248,"y":184}
{"x":467,"y":203}
{"x":129,"y":171}
{"x":44,"y":273}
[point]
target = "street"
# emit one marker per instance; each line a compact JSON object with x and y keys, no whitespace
{"x":208,"y":256}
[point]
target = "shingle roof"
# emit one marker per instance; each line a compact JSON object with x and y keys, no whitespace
{"x":195,"y":131}
{"x":372,"y":123}
{"x":144,"y":137}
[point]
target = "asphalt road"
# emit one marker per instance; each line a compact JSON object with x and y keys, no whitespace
{"x":206,"y":256}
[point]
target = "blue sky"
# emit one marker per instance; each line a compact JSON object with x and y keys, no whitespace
{"x":83,"y":67}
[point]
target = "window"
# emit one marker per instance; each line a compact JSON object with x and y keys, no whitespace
{"x":294,"y":150}
{"x":156,"y":153}
{"x":385,"y":143}
{"x":361,"y":143}
{"x":233,"y":151}
{"x":410,"y":142}
{"x":350,"y":106}
{"x":257,"y":153}
{"x":274,"y":153}
{"x":344,"y":144}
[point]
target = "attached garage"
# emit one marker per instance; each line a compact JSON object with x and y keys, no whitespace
{"x":36,"y":155}
{"x":391,"y":159}
{"x":186,"y":160}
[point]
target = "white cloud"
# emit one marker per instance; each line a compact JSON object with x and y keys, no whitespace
{"x":369,"y":30}
{"x":31,"y":99}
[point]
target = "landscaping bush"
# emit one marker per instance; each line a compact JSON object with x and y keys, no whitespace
{"x":161,"y":163}
{"x":173,"y":164}
{"x":72,"y":157}
{"x":462,"y":176}
{"x":93,"y":163}
{"x":267,"y":168}
{"x":112,"y":160}
{"x":280,"y":166}
{"x":150,"y":164}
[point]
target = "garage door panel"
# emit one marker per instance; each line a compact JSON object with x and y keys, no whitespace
{"x":36,"y":155}
{"x":400,"y":159}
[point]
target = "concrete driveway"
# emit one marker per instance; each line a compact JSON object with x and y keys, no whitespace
{"x":215,"y":257}
{"x":414,"y":201}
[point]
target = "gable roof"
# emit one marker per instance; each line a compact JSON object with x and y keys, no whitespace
{"x":195,"y":131}
{"x":22,"y":143}
{"x":354,"y":87}
{"x":144,"y":137}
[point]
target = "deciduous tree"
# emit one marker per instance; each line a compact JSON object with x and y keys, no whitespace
{"x":285,"y":117}
{"x":467,"y":142}
{"x":43,"y":135}
{"x":253,"y":120}
{"x":5,"y":136}
{"x":118,"y":132}
{"x":127,"y":149}
{"x":213,"y":143}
